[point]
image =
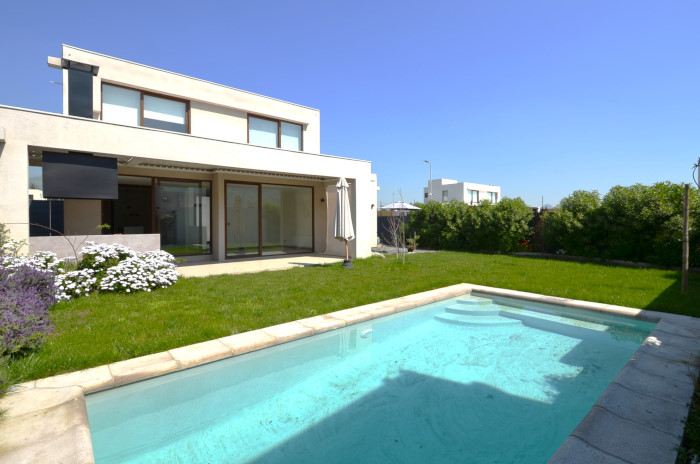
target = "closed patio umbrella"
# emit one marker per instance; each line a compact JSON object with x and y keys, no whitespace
{"x":343,"y":229}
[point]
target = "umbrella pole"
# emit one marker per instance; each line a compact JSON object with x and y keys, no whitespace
{"x":347,"y":263}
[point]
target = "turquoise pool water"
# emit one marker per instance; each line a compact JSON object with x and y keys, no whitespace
{"x":471,"y":379}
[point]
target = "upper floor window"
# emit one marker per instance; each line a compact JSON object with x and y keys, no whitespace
{"x":474,"y":196}
{"x":274,"y":133}
{"x":493,"y":197}
{"x":136,"y":108}
{"x":445,"y":196}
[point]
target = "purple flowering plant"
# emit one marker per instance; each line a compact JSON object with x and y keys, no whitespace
{"x":26,"y":295}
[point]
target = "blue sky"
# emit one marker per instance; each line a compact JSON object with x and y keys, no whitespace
{"x":539,"y":97}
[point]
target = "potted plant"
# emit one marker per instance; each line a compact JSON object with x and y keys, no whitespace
{"x":412,"y":242}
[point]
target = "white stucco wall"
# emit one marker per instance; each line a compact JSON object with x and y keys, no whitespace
{"x":141,"y":150}
{"x":217,"y":122}
{"x":213,"y":106}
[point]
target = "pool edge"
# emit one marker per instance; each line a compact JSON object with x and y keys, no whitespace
{"x":613,"y":431}
{"x":641,"y":416}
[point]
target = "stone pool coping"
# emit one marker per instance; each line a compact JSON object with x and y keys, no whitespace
{"x":639,"y":418}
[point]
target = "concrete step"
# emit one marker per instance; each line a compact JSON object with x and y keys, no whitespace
{"x":474,"y":300}
{"x":473,"y":310}
{"x":488,"y":321}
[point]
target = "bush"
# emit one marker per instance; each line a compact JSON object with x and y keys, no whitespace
{"x":26,"y":294}
{"x":487,"y":227}
{"x":573,"y":225}
{"x":636,"y":223}
{"x":116,"y":268}
{"x":148,"y":271}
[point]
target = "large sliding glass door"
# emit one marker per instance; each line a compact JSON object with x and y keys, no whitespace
{"x":266,"y":219}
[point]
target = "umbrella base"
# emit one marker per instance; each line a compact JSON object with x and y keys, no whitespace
{"x":347,"y":263}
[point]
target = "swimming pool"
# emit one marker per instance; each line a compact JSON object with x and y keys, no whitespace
{"x":471,"y":379}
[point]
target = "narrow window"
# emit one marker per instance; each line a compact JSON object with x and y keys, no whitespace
{"x":262,"y":132}
{"x":121,"y":106}
{"x":291,"y":136}
{"x":161,"y":113}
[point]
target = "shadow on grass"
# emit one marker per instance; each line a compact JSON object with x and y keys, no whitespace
{"x":673,"y":300}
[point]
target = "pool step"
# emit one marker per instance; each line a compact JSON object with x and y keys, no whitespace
{"x":473,"y":310}
{"x":474,"y":300}
{"x":551,"y":322}
{"x":471,"y":320}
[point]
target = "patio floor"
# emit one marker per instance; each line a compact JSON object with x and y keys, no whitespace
{"x":257,"y":264}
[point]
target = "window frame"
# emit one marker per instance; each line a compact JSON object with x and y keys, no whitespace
{"x":279,"y":130}
{"x":142,"y":93}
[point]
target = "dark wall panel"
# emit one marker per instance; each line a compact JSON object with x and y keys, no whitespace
{"x":80,"y":93}
{"x":79,"y":175}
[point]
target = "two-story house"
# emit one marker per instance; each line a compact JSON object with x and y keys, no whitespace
{"x":210,"y":171}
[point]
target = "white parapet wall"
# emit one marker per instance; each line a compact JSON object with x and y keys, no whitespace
{"x":67,"y":246}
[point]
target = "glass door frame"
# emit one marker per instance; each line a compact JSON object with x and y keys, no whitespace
{"x":260,"y":218}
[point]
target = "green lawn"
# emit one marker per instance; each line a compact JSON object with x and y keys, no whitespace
{"x":101,"y":329}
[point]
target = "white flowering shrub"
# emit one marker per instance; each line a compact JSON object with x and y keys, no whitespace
{"x":145,"y":272}
{"x":76,"y":283}
{"x":103,"y":267}
{"x":102,"y":256}
{"x":43,"y":260}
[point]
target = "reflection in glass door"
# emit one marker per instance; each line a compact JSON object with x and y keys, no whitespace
{"x":287,"y":219}
{"x":268,"y":219}
{"x":242,"y":225}
{"x":183,"y":216}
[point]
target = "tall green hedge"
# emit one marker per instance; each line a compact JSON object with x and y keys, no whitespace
{"x":458,"y":226}
{"x":636,"y":223}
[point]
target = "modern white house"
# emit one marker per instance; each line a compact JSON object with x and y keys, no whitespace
{"x":447,"y":190}
{"x":202,"y":170}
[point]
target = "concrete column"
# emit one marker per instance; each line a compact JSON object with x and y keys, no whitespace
{"x":14,"y":186}
{"x":218,"y":222}
{"x":364,"y":206}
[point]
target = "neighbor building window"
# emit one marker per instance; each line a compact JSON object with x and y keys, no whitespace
{"x":136,"y":108}
{"x":493,"y":197}
{"x":474,"y":196}
{"x":444,"y":196}
{"x":274,"y":133}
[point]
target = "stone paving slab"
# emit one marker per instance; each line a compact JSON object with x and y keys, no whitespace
{"x":200,"y":353}
{"x":50,"y":426}
{"x":248,"y":341}
{"x":626,"y":439}
{"x":651,"y":411}
{"x":678,"y":329}
{"x":672,"y":390}
{"x":651,"y":364}
{"x":288,"y":331}
{"x":91,"y":380}
{"x":145,"y":367}
{"x":323,"y":323}
{"x":575,"y":450}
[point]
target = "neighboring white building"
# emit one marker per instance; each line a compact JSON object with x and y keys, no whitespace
{"x":210,"y":171}
{"x":446,"y":190}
